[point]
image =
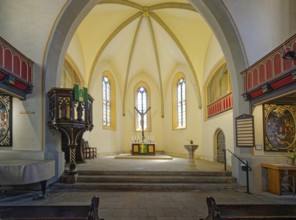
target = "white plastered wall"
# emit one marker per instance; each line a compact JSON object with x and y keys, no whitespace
{"x":76,"y":54}
{"x":174,"y":139}
{"x":263,"y":25}
{"x":106,"y":141}
{"x":27,"y":25}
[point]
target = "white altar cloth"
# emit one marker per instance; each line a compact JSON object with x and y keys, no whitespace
{"x":19,"y":172}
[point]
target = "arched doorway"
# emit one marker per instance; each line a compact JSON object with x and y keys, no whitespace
{"x":220,"y":146}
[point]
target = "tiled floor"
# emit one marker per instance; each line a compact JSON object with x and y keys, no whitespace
{"x":146,"y":205}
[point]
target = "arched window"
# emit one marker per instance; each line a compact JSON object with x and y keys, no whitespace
{"x":142,"y":104}
{"x":106,"y":101}
{"x":142,"y":107}
{"x":179,"y":102}
{"x":109,"y":101}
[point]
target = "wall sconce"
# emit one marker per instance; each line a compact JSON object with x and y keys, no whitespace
{"x":290,"y":55}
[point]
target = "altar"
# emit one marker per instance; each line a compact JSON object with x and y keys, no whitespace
{"x":143,"y":148}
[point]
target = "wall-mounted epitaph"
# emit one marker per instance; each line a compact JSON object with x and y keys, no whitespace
{"x":245,"y":131}
{"x":279,"y":127}
{"x":5,"y":120}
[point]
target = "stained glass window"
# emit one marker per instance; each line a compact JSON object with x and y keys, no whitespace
{"x":142,"y":102}
{"x":106,"y":101}
{"x":181,"y":103}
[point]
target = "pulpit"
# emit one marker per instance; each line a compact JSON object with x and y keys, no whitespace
{"x":71,"y":116}
{"x":191,"y":148}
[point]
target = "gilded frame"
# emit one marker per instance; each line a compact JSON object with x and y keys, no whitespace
{"x":279,"y":127}
{"x":5,"y":120}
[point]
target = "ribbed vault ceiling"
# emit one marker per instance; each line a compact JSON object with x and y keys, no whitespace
{"x":155,"y":37}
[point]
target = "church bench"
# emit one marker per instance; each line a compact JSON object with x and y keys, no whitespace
{"x":51,"y":212}
{"x":89,"y":152}
{"x":22,"y":172}
{"x":249,"y":211}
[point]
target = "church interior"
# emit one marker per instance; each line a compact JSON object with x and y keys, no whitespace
{"x":211,"y":82}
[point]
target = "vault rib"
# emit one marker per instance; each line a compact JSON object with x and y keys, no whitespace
{"x":129,"y":64}
{"x":158,"y":64}
{"x":108,"y":40}
{"x":177,"y":42}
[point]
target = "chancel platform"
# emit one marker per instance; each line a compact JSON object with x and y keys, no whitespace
{"x":143,"y":157}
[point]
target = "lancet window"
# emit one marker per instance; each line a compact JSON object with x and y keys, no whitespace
{"x":179,"y":102}
{"x":142,"y":103}
{"x":108,"y":101}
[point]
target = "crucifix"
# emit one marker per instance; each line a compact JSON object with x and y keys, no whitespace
{"x":142,"y":113}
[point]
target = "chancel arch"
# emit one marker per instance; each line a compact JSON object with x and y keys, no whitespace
{"x":75,"y":11}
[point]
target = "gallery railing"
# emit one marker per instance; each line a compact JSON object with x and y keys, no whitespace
{"x":16,"y":71}
{"x":271,"y":72}
{"x":221,"y":105}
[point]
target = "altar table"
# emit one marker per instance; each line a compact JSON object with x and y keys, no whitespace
{"x":275,"y":172}
{"x":143,"y":149}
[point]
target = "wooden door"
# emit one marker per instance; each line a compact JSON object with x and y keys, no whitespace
{"x":220,"y":147}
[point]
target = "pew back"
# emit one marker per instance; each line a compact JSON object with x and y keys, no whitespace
{"x":249,"y":211}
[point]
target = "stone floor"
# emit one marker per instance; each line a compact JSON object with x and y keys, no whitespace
{"x":146,"y":205}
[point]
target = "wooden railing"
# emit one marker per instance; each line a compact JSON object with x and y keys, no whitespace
{"x":248,"y":211}
{"x":271,"y":72}
{"x":221,"y":105}
{"x":15,"y":70}
{"x":53,"y":212}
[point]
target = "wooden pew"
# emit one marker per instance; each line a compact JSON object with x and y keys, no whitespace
{"x":249,"y":211}
{"x":89,"y":152}
{"x":65,"y":212}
